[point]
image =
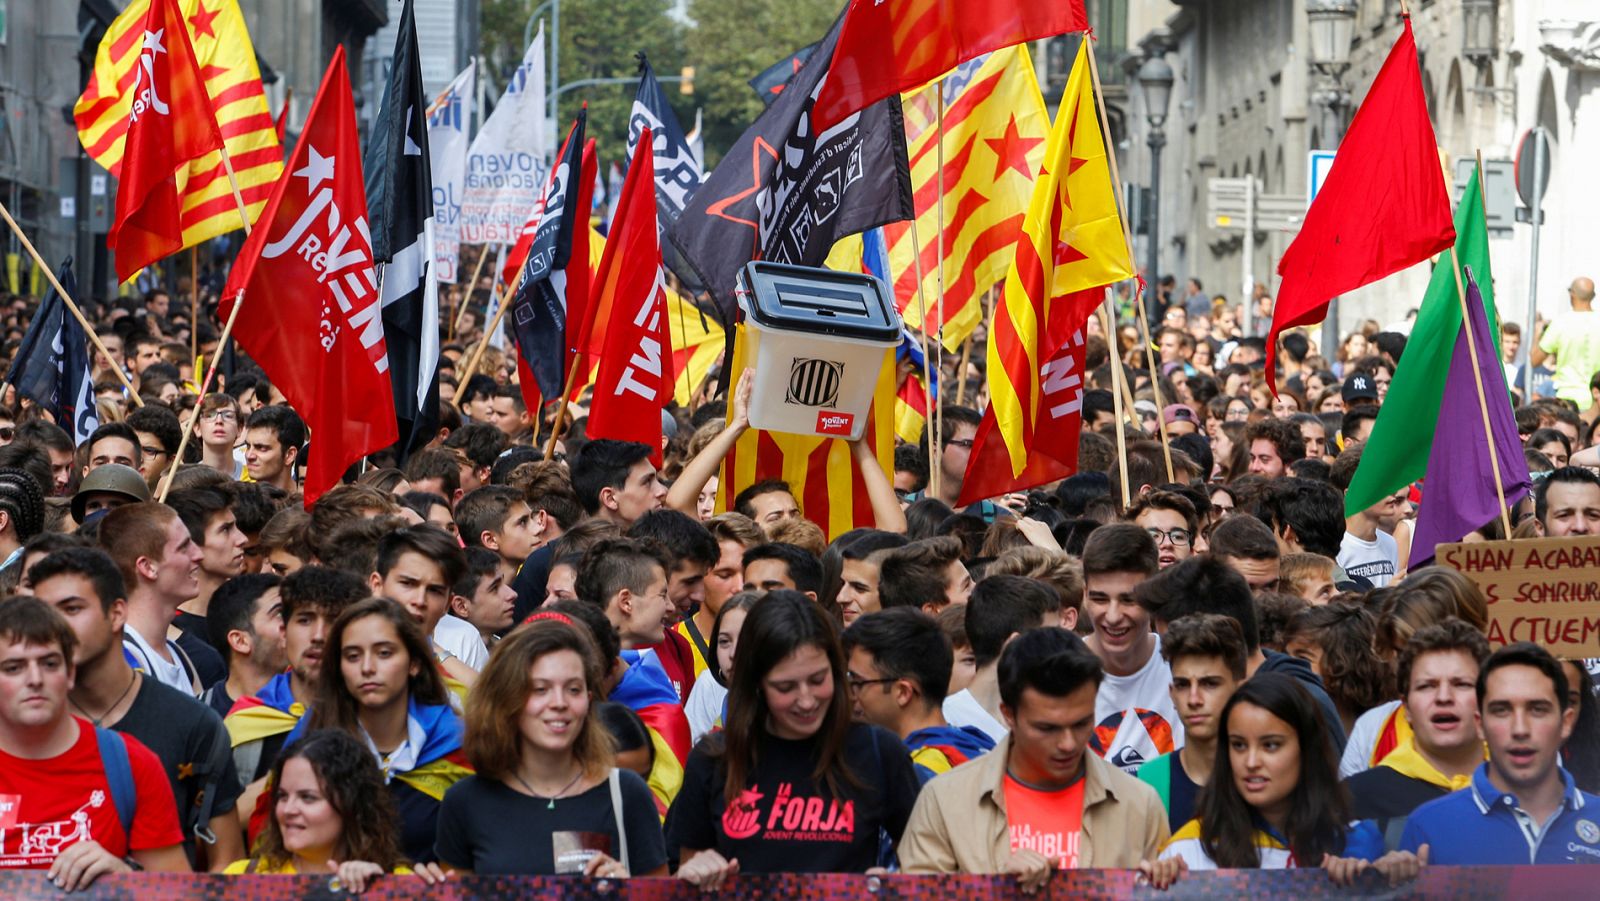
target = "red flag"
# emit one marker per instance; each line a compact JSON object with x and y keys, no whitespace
{"x":170,"y":124}
{"x":1053,"y":451}
{"x":1384,"y":206}
{"x":925,"y":39}
{"x":311,"y":314}
{"x":635,"y":378}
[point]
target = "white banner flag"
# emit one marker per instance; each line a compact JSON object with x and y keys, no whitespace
{"x":506,"y":164}
{"x":449,"y":120}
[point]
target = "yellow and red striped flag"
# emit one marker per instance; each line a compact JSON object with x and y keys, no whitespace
{"x":820,"y":471}
{"x":1072,"y":241}
{"x":995,"y":126}
{"x":228,"y":66}
{"x":697,"y":344}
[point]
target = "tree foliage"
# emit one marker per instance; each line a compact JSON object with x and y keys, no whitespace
{"x":734,"y":40}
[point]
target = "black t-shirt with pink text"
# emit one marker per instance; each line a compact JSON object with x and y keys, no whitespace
{"x":787,"y":822}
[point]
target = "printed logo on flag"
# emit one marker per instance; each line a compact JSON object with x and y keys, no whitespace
{"x":833,"y":422}
{"x":814,"y":383}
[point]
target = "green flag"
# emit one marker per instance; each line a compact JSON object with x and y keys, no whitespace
{"x":1397,"y":450}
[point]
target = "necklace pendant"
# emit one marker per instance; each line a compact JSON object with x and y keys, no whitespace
{"x":551,"y":805}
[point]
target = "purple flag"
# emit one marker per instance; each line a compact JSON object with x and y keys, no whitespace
{"x":1458,"y":494}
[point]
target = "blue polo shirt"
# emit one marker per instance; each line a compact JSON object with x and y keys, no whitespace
{"x":1481,"y":825}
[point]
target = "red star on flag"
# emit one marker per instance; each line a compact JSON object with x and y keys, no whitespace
{"x":200,"y":21}
{"x":1011,"y":150}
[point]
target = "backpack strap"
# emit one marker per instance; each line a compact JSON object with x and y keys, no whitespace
{"x":622,"y":828}
{"x":211,"y":777}
{"x":189,"y":669}
{"x":699,"y":640}
{"x":119,"y":775}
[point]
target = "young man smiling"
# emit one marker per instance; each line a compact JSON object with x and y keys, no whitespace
{"x":1521,"y":806}
{"x":1207,"y":657}
{"x":1134,"y":715}
{"x":1041,"y":801}
{"x":160,"y":565}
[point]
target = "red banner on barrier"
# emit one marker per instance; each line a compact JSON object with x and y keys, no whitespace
{"x":1435,"y":882}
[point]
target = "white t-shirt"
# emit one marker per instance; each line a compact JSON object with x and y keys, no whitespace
{"x":1135,"y":721}
{"x":171,"y":674}
{"x":962,"y":709}
{"x":461,"y":638}
{"x":1363,"y":739}
{"x":1377,"y":560}
{"x":704,"y":707}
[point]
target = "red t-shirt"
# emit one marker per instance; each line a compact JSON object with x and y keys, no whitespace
{"x":1049,"y":823}
{"x":46,"y":806}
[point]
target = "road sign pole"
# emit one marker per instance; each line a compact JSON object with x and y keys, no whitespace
{"x":1529,"y":336}
{"x":1249,"y":281}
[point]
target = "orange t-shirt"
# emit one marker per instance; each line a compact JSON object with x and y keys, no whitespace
{"x":1045,"y":822}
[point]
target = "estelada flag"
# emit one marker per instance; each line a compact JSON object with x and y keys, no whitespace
{"x":311,"y":315}
{"x":170,"y":123}
{"x":1072,"y":242}
{"x":925,"y":39}
{"x":1384,"y":206}
{"x":227,"y":61}
{"x":635,"y":379}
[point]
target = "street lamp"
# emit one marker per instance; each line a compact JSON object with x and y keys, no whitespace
{"x":1155,"y":81}
{"x":1478,"y":42}
{"x":1332,"y":25}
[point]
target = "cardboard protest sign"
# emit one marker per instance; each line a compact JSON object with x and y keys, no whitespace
{"x":1543,"y":590}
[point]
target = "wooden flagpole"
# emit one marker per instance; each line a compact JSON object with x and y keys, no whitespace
{"x":466,"y":297}
{"x":930,"y":424}
{"x":205,"y":387}
{"x":1119,"y":380}
{"x":227,"y":332}
{"x":194,"y":302}
{"x":1127,"y":237}
{"x":483,"y":344}
{"x":94,"y":338}
{"x":561,"y":407}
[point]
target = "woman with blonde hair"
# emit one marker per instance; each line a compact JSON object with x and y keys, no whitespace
{"x":547,"y":767}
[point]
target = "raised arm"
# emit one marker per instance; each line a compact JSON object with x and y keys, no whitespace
{"x":886,"y":510}
{"x":684,"y":495}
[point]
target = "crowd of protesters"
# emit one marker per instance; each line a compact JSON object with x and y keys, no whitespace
{"x":518,"y":652}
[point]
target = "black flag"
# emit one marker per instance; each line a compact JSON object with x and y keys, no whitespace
{"x":678,"y":174}
{"x":51,"y":367}
{"x":774,"y":78}
{"x":400,"y":210}
{"x":785,"y":193}
{"x":546,"y":292}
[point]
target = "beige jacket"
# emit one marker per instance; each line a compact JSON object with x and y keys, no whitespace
{"x":959,"y":822}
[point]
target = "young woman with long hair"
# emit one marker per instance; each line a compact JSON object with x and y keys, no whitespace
{"x":388,"y":694}
{"x":791,"y":785}
{"x":548,"y":797}
{"x":1274,"y":799}
{"x":331,"y":814}
{"x":707,"y":707}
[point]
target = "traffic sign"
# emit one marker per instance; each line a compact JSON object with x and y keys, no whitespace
{"x":1318,"y":163}
{"x":1535,"y":139}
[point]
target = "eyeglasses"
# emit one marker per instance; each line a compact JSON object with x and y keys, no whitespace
{"x":224,"y":415}
{"x":153,"y":451}
{"x":963,"y":443}
{"x":857,"y":683}
{"x":1177,"y":537}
